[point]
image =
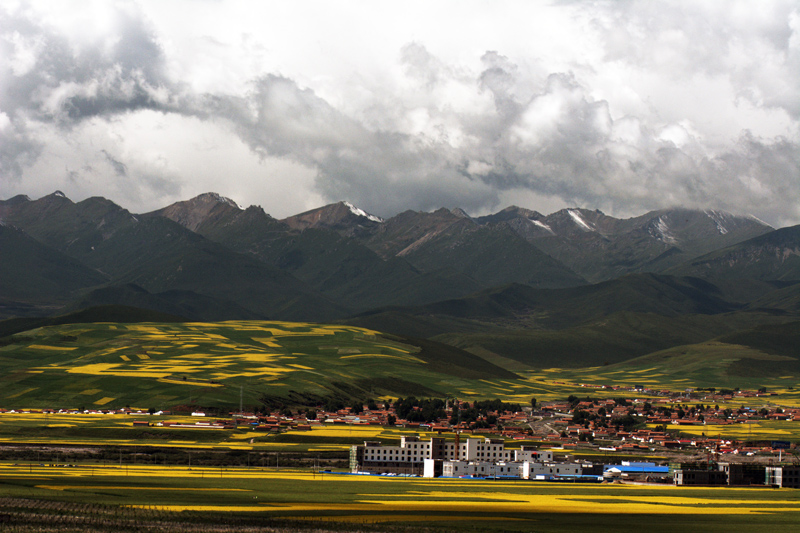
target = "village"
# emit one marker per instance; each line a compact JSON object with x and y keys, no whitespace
{"x":470,"y":436}
{"x":609,"y":424}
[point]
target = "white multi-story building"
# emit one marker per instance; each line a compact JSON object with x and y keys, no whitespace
{"x":408,"y":458}
{"x":534,"y":470}
{"x":411,"y":455}
{"x":475,"y":469}
{"x":521,"y":469}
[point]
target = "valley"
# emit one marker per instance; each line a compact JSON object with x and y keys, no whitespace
{"x":219,"y":340}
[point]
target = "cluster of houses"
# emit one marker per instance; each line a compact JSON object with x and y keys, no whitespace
{"x":566,"y":423}
{"x":678,"y":411}
{"x":488,"y":458}
{"x":597,"y":420}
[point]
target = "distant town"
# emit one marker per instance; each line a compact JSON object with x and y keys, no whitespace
{"x":472,"y":435}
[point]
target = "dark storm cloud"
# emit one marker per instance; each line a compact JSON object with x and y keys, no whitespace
{"x":599,"y":131}
{"x":119,"y":167}
{"x":558,"y":141}
{"x":384,"y":171}
{"x":17,"y":150}
{"x":67,"y":82}
{"x":55,"y":82}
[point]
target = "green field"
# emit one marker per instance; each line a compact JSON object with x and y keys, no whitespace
{"x":760,"y":431}
{"x":39,"y":429}
{"x":264,"y":497}
{"x":161,"y":366}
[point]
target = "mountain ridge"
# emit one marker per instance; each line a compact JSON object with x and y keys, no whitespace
{"x":571,"y":288}
{"x":338,"y":260}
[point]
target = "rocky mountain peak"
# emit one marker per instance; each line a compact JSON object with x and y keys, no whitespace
{"x":342,"y":217}
{"x":460,"y":213}
{"x":361,"y":213}
{"x":192,"y":213}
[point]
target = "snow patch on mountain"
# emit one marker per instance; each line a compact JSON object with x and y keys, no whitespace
{"x":719,"y":219}
{"x":361,"y":213}
{"x":543,"y":225}
{"x":578,"y":219}
{"x":224,"y":200}
{"x":756,"y":219}
{"x":661,"y":231}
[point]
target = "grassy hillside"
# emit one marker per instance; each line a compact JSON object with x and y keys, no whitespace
{"x":777,"y":339}
{"x":188,"y":304}
{"x":786,"y":299}
{"x":521,"y":306}
{"x":709,"y":363}
{"x":749,"y":358}
{"x":614,"y":339}
{"x":190,"y":365}
{"x":102,"y":313}
{"x":165,"y":365}
{"x":33,"y":273}
{"x":773,"y":256}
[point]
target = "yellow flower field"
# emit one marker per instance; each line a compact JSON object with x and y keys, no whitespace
{"x":315,"y":496}
{"x":165,"y":365}
{"x":383,"y":356}
{"x":53,"y":348}
{"x":197,"y":384}
{"x":103,"y":401}
{"x":26,"y":391}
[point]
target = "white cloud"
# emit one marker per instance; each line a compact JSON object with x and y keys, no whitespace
{"x":624,"y":106}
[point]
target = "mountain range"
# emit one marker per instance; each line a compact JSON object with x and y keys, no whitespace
{"x":589,"y":285}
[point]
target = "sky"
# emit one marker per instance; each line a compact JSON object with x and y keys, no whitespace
{"x":622,"y":106}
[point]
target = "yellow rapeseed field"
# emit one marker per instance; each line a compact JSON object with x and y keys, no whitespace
{"x":103,"y":401}
{"x":396,"y":499}
{"x":54,"y":348}
{"x":26,"y":391}
{"x":384,"y":356}
{"x":187,"y":382}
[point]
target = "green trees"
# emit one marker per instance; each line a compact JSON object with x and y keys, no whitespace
{"x":415,"y":410}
